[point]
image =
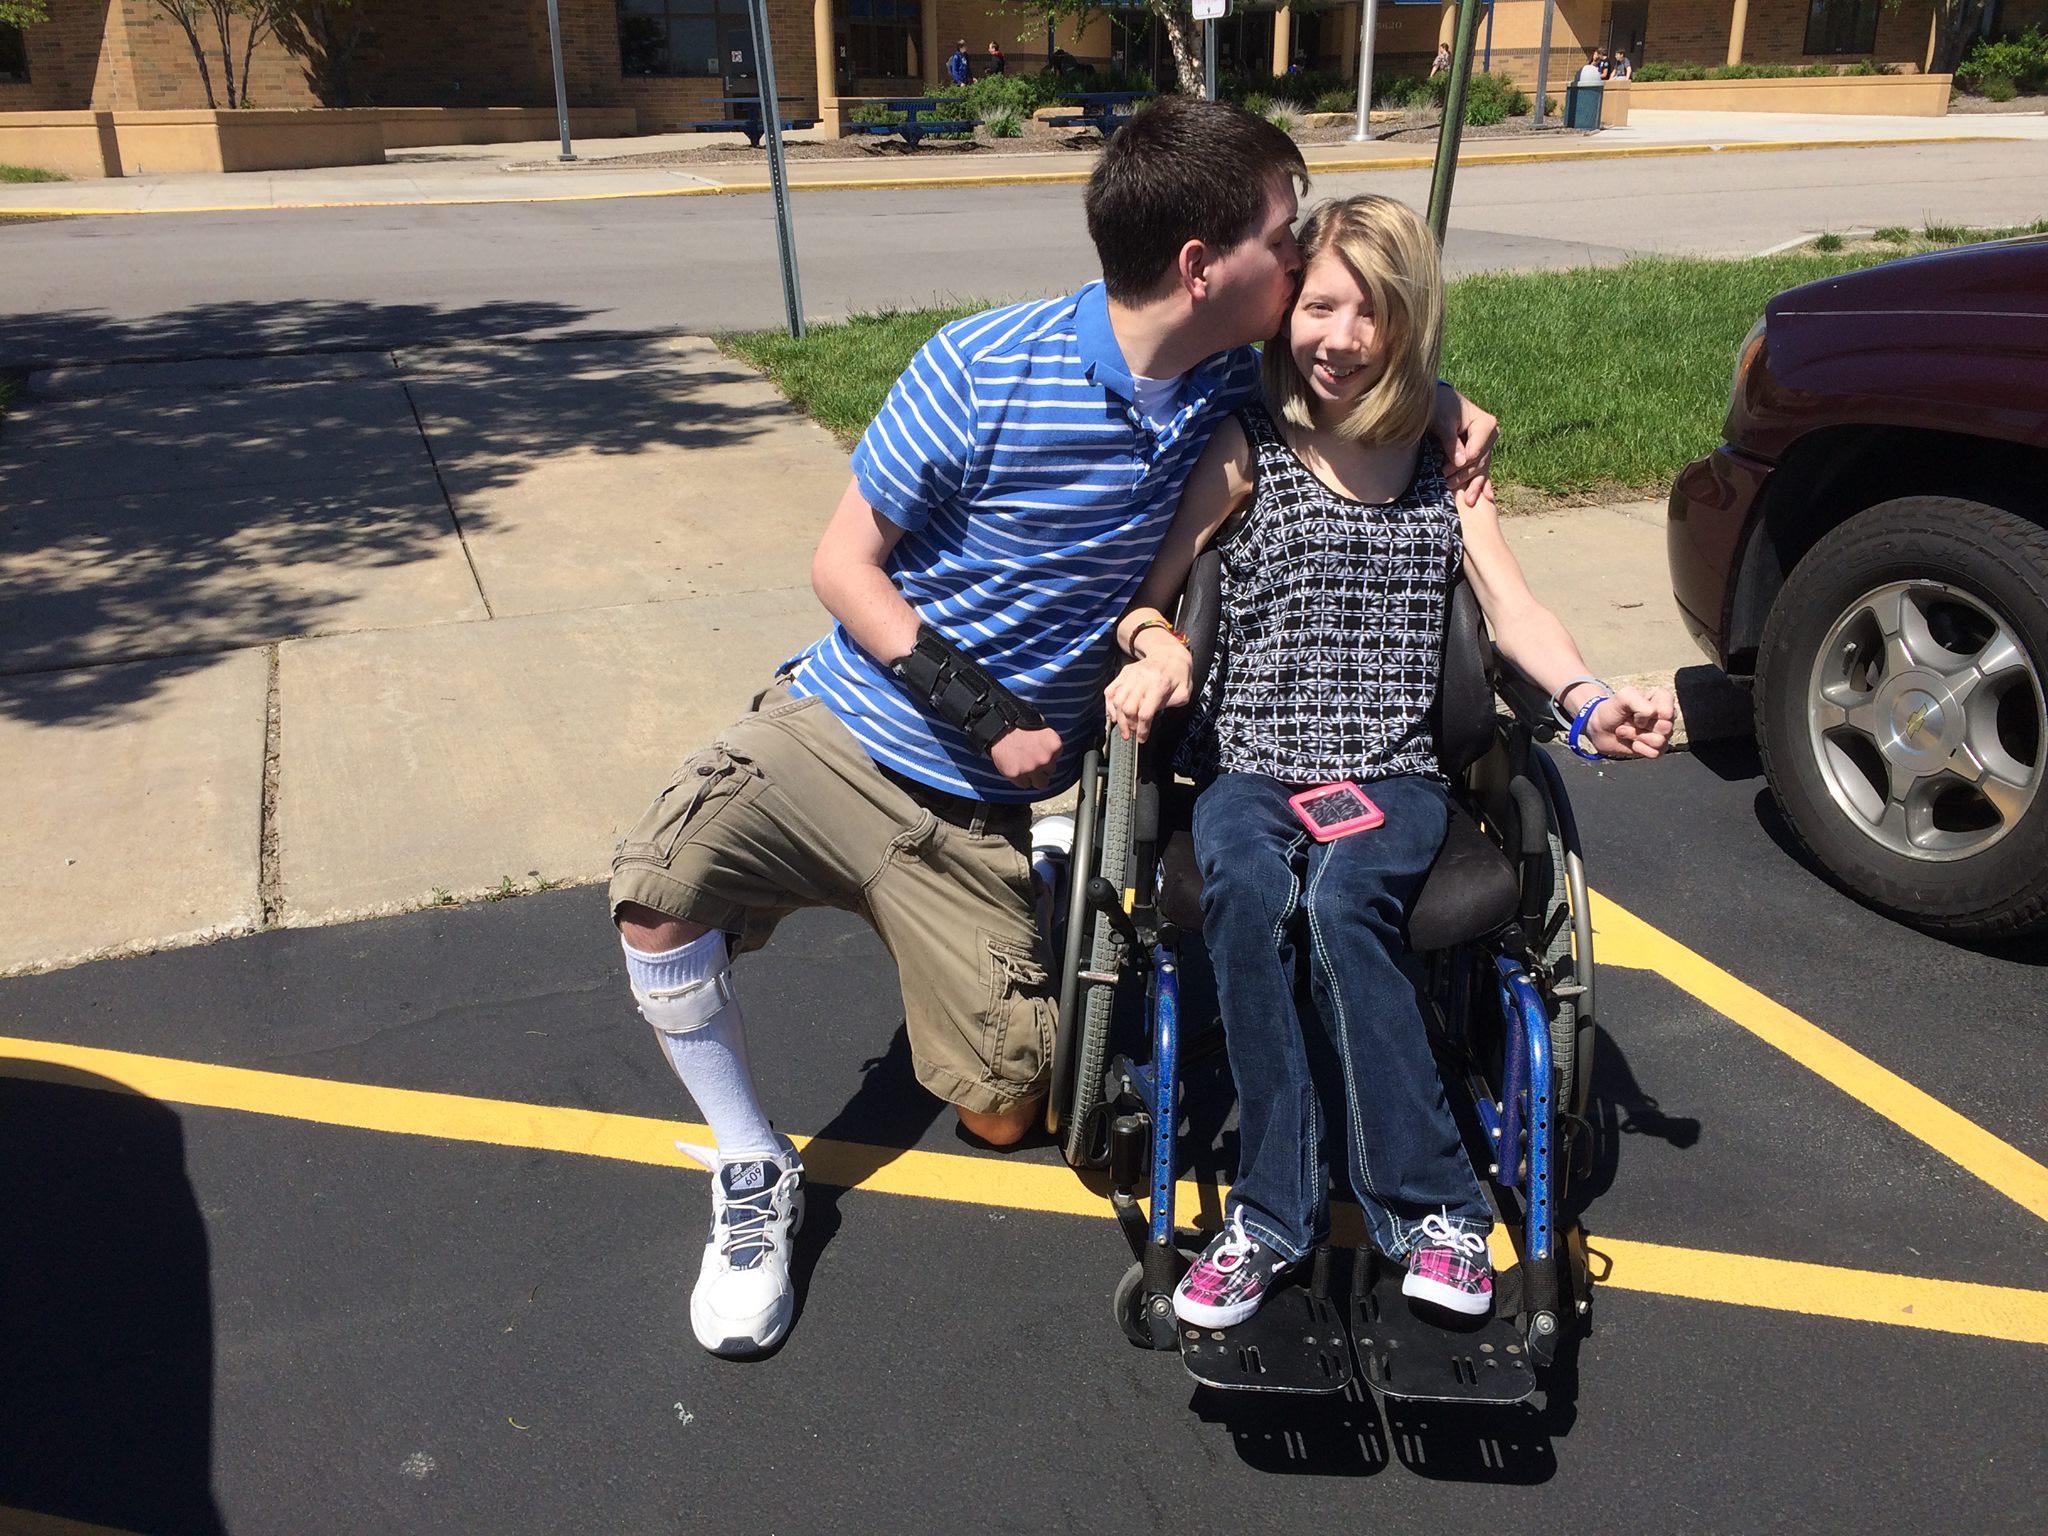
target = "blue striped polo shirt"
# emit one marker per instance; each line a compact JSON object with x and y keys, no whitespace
{"x":1032,"y":497}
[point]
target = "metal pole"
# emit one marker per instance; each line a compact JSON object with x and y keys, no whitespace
{"x":1209,"y":61}
{"x":1488,"y":65}
{"x":561,"y":87}
{"x":770,"y":104}
{"x":1367,"y":27}
{"x":1543,"y":62}
{"x":1453,"y":127}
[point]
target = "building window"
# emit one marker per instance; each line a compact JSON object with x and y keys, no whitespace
{"x":13,"y":56}
{"x":1841,"y":26}
{"x":681,"y":38}
{"x":884,"y":38}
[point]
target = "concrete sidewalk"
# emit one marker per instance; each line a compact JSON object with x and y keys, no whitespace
{"x":298,"y":639}
{"x":532,"y":172}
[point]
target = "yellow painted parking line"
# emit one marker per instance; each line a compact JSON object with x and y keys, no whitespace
{"x":1467,"y":160}
{"x":1621,"y":939}
{"x":1945,"y":1306}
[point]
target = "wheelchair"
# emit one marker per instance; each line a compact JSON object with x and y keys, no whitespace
{"x":1502,"y":939}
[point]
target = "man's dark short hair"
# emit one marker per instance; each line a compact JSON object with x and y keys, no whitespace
{"x":1182,"y":169}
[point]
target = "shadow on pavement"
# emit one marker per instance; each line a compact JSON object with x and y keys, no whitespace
{"x":106,"y":1322}
{"x":1617,"y":1106}
{"x":243,"y":330}
{"x":170,"y":511}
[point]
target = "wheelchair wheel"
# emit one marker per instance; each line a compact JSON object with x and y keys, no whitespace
{"x":1087,"y":1022}
{"x":1569,"y":952}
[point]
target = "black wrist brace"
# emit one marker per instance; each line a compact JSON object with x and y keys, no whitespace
{"x":962,"y":692}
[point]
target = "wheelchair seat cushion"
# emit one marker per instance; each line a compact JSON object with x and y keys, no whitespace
{"x":1470,"y":891}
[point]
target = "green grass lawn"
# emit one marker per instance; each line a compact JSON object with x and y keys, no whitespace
{"x":29,"y":173}
{"x":1605,"y":379}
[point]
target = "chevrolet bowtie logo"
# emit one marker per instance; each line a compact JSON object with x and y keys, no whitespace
{"x":1917,"y":719}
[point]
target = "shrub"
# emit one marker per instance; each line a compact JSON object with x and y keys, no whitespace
{"x":1651,"y":73}
{"x":1402,"y":91}
{"x":1864,"y":67}
{"x":1998,"y":88}
{"x":1003,"y":122}
{"x":1286,"y":117}
{"x":1336,"y":101}
{"x":1257,"y":104}
{"x":1022,"y":94}
{"x":1493,"y":99}
{"x":2021,"y":61}
{"x":873,"y":112}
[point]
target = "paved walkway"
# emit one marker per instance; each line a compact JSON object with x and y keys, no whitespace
{"x":533,"y":172}
{"x":292,"y":640}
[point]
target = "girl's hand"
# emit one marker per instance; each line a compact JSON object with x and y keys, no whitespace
{"x":1164,"y":679}
{"x":1631,"y":723}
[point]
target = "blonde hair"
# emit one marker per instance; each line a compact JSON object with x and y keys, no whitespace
{"x":1394,"y":257}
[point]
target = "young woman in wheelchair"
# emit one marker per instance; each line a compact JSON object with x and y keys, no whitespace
{"x":1340,"y":545}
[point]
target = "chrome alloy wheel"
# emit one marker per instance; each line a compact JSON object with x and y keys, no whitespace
{"x":1925,"y":716}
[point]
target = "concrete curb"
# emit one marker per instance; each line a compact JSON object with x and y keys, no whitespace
{"x":1469,"y":161}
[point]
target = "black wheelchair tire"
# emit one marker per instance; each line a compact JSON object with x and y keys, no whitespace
{"x":1095,"y":1001}
{"x":1081,"y":858}
{"x":1569,"y":952}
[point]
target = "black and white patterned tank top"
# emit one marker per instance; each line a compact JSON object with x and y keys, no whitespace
{"x":1333,"y":625}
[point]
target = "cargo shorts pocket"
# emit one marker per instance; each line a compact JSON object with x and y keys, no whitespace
{"x":705,"y":786}
{"x":1021,"y":1014}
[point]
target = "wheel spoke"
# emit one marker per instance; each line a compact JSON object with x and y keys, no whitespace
{"x":2008,"y":786}
{"x":2001,"y":658}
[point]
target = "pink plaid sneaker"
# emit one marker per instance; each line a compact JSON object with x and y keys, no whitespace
{"x":1229,"y":1280}
{"x":1449,"y":1267}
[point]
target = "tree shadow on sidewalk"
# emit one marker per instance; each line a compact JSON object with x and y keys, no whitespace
{"x":176,"y":509}
{"x":106,"y":1321}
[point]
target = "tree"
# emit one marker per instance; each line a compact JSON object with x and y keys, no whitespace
{"x":1177,"y":17}
{"x":1956,"y":23}
{"x":24,"y":13}
{"x":192,"y":17}
{"x":324,"y":33}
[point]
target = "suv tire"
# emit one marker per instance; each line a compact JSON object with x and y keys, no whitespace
{"x":1900,"y":712}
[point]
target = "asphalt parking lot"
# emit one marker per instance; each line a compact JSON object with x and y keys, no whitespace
{"x":378,"y":1227}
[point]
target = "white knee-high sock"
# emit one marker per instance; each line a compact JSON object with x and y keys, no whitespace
{"x":685,"y":993}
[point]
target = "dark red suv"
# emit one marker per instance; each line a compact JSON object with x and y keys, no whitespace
{"x":1870,"y":546}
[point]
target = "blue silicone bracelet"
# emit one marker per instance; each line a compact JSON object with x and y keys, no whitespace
{"x":1579,"y":722}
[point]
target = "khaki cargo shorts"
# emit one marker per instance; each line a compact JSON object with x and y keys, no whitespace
{"x":786,"y":810}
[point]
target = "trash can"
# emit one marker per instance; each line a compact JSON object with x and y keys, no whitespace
{"x":1582,"y":106}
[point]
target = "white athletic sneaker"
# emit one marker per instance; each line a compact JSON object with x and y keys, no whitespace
{"x":743,"y":1301}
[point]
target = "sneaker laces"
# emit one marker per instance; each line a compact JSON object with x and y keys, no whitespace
{"x":1441,"y":1234}
{"x":1237,"y":1244}
{"x":749,"y":1217}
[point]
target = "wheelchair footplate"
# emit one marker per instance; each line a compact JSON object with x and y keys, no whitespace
{"x":1294,"y":1343}
{"x":1425,"y":1354}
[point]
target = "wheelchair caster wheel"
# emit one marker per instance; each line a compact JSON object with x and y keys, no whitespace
{"x":1145,"y":1320}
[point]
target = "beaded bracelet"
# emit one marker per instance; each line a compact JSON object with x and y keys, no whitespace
{"x":1579,"y":724}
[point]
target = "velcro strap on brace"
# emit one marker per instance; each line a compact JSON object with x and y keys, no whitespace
{"x":962,"y":692}
{"x":679,"y":1010}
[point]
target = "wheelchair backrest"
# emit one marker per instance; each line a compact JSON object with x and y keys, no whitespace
{"x":1462,"y":719}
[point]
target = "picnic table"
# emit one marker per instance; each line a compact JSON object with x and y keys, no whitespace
{"x":914,"y":125}
{"x":747,"y":118}
{"x":1104,"y":111}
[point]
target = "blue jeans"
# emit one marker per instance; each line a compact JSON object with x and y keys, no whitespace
{"x":1275,"y":901}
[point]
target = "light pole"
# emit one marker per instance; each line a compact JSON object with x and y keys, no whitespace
{"x":1367,"y":27}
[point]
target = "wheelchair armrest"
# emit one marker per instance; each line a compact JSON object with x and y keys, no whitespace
{"x":1525,"y":698}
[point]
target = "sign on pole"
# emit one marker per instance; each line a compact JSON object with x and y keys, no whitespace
{"x":1211,"y":10}
{"x":561,"y":89}
{"x":778,"y":181}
